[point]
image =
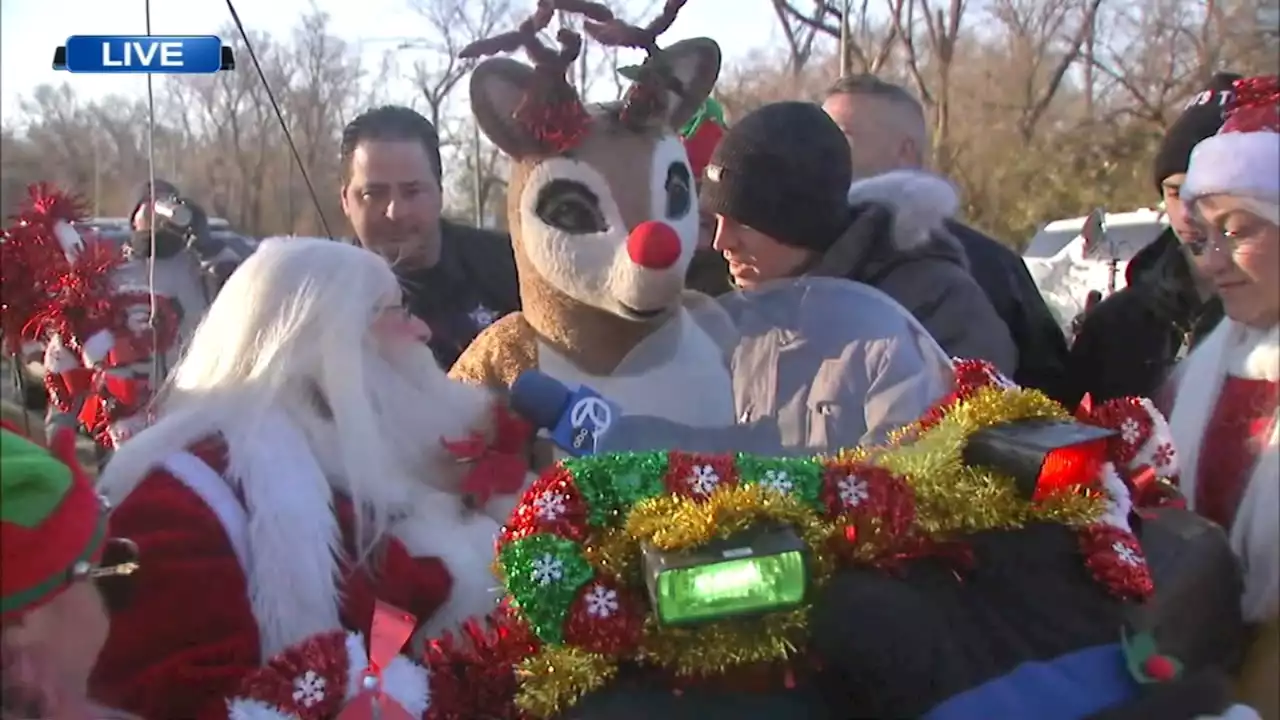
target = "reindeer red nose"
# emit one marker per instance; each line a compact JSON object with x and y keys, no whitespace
{"x":654,"y":245}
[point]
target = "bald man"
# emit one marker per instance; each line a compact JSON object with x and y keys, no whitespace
{"x":887,"y":130}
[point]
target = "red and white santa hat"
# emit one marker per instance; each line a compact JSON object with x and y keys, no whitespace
{"x":1242,"y":159}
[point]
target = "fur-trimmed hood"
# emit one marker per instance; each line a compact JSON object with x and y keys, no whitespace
{"x":921,"y":203}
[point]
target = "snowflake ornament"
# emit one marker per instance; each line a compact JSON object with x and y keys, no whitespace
{"x":1130,"y":431}
{"x":778,"y":481}
{"x":308,"y":689}
{"x":547,"y":569}
{"x":1126,"y":554}
{"x":704,"y":480}
{"x":550,"y":505}
{"x":1163,"y":456}
{"x":601,"y":602}
{"x":853,"y":491}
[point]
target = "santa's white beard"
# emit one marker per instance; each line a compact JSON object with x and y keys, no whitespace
{"x":412,"y":406}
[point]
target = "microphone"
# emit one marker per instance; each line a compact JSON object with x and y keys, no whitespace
{"x":584,"y":423}
{"x":577,"y":420}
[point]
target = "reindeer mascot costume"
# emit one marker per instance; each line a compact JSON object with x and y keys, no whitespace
{"x":603,"y":215}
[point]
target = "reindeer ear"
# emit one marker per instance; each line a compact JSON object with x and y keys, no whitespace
{"x":696,"y":64}
{"x":498,"y":87}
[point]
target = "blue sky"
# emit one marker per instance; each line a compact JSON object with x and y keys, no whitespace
{"x":31,"y":29}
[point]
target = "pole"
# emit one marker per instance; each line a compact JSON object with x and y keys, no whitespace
{"x":477,"y":181}
{"x":97,"y":178}
{"x":844,"y":38}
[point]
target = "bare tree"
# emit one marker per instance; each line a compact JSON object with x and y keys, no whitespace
{"x":931,"y":66}
{"x":452,"y":25}
{"x":869,"y":44}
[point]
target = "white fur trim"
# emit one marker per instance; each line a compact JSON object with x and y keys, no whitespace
{"x":240,"y":709}
{"x":1255,"y":533}
{"x":921,"y":202}
{"x":97,"y":347}
{"x":1235,"y":163}
{"x":1160,"y":435}
{"x":441,"y":527}
{"x":1119,"y":504}
{"x":1235,"y":712}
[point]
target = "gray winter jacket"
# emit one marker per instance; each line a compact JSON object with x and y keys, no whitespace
{"x":833,"y":365}
{"x":922,"y":266}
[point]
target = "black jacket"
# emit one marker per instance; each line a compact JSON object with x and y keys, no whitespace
{"x":1003,"y":276}
{"x":1129,"y":342}
{"x":473,"y":284}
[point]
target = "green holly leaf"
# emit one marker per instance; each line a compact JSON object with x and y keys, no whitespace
{"x":543,"y":573}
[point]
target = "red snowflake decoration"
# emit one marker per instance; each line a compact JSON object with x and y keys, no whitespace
{"x":551,"y":504}
{"x":696,"y":476}
{"x":1116,"y":560}
{"x":1163,"y":456}
{"x":877,"y":507}
{"x":307,"y":681}
{"x":1131,"y":421}
{"x":605,"y":618}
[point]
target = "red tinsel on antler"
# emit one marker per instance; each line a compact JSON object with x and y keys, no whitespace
{"x":1255,"y":105}
{"x":551,"y":110}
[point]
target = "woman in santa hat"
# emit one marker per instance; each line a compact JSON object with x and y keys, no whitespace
{"x":1226,"y":394}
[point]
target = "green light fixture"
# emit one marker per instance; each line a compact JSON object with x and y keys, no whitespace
{"x":759,"y":571}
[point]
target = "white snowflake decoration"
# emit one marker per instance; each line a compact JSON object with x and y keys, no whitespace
{"x":853,"y":490}
{"x":308,"y":689}
{"x":777,"y":480}
{"x":1130,"y":431}
{"x":703,"y":480}
{"x":550,"y":505}
{"x":602,"y":602}
{"x":1126,"y":553}
{"x":547,"y":569}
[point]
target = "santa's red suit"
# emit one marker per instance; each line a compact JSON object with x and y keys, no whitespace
{"x":250,"y":554}
{"x":1226,"y":421}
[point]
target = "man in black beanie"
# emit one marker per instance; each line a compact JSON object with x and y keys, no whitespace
{"x":779,"y":184}
{"x":1129,"y":342}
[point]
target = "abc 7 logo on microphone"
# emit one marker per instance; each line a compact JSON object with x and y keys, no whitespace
{"x":591,"y":418}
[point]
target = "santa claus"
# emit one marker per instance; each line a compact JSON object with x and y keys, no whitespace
{"x":294,"y":476}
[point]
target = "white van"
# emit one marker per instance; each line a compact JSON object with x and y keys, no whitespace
{"x":1065,"y":270}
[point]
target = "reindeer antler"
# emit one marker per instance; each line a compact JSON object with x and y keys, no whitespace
{"x":615,"y":33}
{"x":551,"y":110}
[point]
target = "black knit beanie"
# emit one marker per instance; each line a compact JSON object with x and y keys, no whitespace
{"x":783,"y":170}
{"x":1201,"y":119}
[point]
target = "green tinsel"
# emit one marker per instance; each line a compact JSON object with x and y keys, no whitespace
{"x":612,"y":484}
{"x":804,"y":475}
{"x":544,"y":604}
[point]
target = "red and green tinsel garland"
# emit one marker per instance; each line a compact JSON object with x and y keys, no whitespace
{"x":570,"y":556}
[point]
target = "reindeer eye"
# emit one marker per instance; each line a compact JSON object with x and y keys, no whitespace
{"x":571,"y":207}
{"x":679,"y":191}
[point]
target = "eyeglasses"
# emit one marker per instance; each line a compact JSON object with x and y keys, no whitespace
{"x":114,"y":575}
{"x":1224,"y":241}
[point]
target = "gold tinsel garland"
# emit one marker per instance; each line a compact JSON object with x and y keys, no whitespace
{"x":951,"y":500}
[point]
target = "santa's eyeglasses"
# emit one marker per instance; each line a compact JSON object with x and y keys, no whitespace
{"x":114,"y":572}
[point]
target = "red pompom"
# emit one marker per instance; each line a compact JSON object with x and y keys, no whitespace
{"x":1115,"y":559}
{"x":1255,"y":105}
{"x":551,"y":504}
{"x":604,"y":618}
{"x":1159,"y":668}
{"x":696,"y":476}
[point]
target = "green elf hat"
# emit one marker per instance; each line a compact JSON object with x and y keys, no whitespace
{"x":52,"y":525}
